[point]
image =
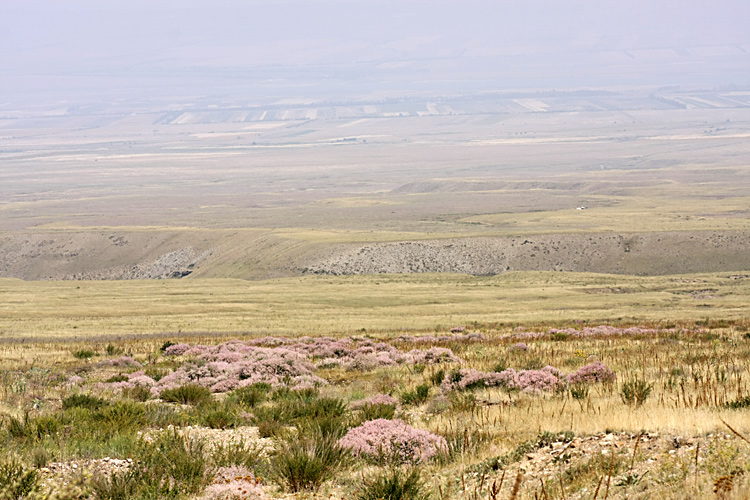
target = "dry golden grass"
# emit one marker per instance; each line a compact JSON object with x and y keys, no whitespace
{"x":344,"y":305}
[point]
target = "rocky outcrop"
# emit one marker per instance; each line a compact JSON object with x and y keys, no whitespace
{"x":631,"y":253}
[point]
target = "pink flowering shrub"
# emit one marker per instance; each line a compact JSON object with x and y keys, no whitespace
{"x":286,"y":362}
{"x":591,"y":331}
{"x":235,"y":364}
{"x":268,"y":341}
{"x":432,"y":339}
{"x":593,"y":372}
{"x":122,"y":362}
{"x":393,"y":441}
{"x":365,"y":355}
{"x":546,"y":379}
{"x":176,"y":350}
{"x":524,"y":335}
{"x":433,"y":355}
{"x":377,"y":399}
{"x":470,"y":378}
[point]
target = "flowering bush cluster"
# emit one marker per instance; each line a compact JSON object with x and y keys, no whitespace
{"x":436,"y":339}
{"x":176,"y":349}
{"x":433,"y":355}
{"x":122,"y":362}
{"x":365,"y":354}
{"x":393,"y":441}
{"x":377,"y":399}
{"x":235,"y":364}
{"x":275,"y":361}
{"x":545,"y":379}
{"x":593,"y":372}
{"x":590,"y":331}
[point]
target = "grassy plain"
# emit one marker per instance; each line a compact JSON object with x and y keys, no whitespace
{"x":565,"y":442}
{"x":318,"y":305}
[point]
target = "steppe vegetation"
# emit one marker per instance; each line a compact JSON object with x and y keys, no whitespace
{"x":521,"y":385}
{"x":101,"y":311}
{"x":577,"y":410}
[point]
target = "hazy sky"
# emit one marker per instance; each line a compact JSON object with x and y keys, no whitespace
{"x":86,"y":48}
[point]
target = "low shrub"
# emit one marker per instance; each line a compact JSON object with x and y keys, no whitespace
{"x":113,"y":350}
{"x":137,"y":393}
{"x":234,"y":483}
{"x":377,"y":399}
{"x":219,"y":418}
{"x":395,"y":484}
{"x":591,"y":373}
{"x":117,"y":378}
{"x":465,"y":442}
{"x":240,"y":454}
{"x":173,"y":464}
{"x":17,"y":482}
{"x":188,"y":394}
{"x":393,"y":441}
{"x":121,"y":416}
{"x":117,"y":486}
{"x":462,"y":402}
{"x":739,"y":403}
{"x":436,"y":378}
{"x":83,"y":353}
{"x":33,"y":429}
{"x":306,"y":462}
{"x":271,"y":428}
{"x":375,"y":411}
{"x":252,"y":395}
{"x":83,"y":401}
{"x":579,"y":391}
{"x":416,"y":397}
{"x":635,"y":392}
{"x":155,"y":373}
{"x":166,"y":345}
